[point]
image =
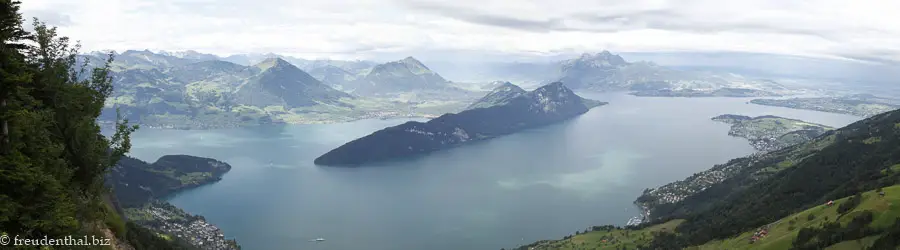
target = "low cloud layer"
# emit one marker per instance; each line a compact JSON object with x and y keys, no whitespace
{"x":859,"y":30}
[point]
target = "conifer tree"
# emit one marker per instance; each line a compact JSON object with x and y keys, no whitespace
{"x":54,"y":157}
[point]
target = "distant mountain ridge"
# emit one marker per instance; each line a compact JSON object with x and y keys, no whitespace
{"x":357,"y":76}
{"x":605,"y":71}
{"x":548,"y":104}
{"x":588,"y":70}
{"x":500,"y":95}
{"x":166,"y":89}
{"x":408,"y":74}
{"x":334,"y":76}
{"x":282,"y":84}
{"x":146,"y":58}
{"x":190,"y":89}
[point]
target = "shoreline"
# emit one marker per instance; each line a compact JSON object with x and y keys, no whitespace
{"x":111,"y":124}
{"x":167,"y":219}
{"x":156,"y":213}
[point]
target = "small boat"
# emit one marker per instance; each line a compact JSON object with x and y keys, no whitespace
{"x":317,"y":240}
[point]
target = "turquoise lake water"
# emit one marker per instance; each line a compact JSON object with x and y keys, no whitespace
{"x":537,"y":184}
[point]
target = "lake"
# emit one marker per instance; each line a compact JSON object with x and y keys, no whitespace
{"x":542,"y":183}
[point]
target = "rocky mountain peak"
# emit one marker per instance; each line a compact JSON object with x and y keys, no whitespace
{"x":553,"y":97}
{"x":273,"y":62}
{"x":507,"y":86}
{"x":602,"y":59}
{"x":553,"y":86}
{"x":136,"y":52}
{"x":412,"y":61}
{"x":500,"y":95}
{"x":414,"y":65}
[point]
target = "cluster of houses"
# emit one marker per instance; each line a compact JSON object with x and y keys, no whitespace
{"x":381,"y":115}
{"x":194,"y":230}
{"x":759,"y":234}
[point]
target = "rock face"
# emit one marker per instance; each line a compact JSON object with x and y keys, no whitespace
{"x":545,"y":105}
{"x":598,"y":69}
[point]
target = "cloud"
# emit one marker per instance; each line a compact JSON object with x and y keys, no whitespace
{"x":682,"y":17}
{"x":343,"y":29}
{"x":882,"y":56}
{"x":473,"y":15}
{"x":49,"y":17}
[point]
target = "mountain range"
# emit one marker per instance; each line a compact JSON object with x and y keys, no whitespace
{"x":605,"y":71}
{"x":194,"y":90}
{"x":360,"y":77}
{"x":171,"y":90}
{"x":190,"y":89}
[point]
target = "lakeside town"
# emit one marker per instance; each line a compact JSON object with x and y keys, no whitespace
{"x":678,"y":190}
{"x":171,"y":221}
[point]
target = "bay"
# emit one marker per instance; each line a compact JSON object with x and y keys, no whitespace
{"x":541,"y":183}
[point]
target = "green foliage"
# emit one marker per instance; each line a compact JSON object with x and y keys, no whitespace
{"x":606,"y":237}
{"x":114,"y":221}
{"x":850,"y":204}
{"x":52,"y":158}
{"x":832,"y":233}
{"x":890,"y":240}
{"x":747,"y":201}
{"x":136,"y":182}
{"x":141,"y":238}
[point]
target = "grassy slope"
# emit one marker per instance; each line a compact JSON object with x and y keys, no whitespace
{"x":854,"y":244}
{"x":615,"y":239}
{"x":781,"y":123}
{"x":782,"y":233}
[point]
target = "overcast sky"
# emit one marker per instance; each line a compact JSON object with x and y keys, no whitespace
{"x":343,"y":29}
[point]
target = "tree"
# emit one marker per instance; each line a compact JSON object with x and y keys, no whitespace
{"x":13,"y":71}
{"x":53,"y":158}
